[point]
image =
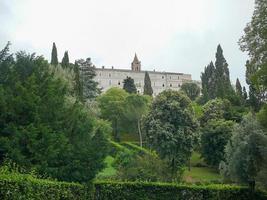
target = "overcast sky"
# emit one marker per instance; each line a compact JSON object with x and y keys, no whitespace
{"x":167,"y":35}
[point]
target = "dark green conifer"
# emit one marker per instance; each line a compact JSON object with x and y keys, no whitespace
{"x":208,"y":80}
{"x":223,"y":84}
{"x":147,"y":86}
{"x":65,"y":60}
{"x":129,"y":86}
{"x":238,"y":88}
{"x":54,"y":60}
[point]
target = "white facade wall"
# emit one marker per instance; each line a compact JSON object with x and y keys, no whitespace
{"x":160,"y":81}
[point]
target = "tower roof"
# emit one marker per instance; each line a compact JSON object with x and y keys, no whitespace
{"x":135,"y":58}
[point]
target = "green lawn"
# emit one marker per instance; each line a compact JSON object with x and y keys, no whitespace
{"x":109,"y":170}
{"x":201,"y":174}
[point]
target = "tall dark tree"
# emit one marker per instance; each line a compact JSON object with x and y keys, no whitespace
{"x":87,"y":74}
{"x":147,"y":87}
{"x":255,"y":100}
{"x":65,"y":60}
{"x":54,"y":60}
{"x":129,"y":86}
{"x":238,"y":88}
{"x":223,"y":84}
{"x":208,"y":80}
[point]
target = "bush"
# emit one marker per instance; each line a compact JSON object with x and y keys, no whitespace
{"x":160,"y":191}
{"x":24,"y":187}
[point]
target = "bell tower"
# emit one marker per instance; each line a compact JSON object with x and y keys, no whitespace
{"x":136,"y":64}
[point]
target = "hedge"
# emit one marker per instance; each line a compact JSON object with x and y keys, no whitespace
{"x":162,"y":191}
{"x":25,"y":187}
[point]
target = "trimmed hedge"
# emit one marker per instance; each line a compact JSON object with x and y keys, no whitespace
{"x":116,"y":147}
{"x":162,"y":191}
{"x":25,"y":187}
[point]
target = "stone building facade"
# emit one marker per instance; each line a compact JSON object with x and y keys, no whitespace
{"x":110,"y":77}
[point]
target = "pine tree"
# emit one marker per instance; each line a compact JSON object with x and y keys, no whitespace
{"x":208,"y":80}
{"x":89,"y":85}
{"x":147,"y":86}
{"x":65,"y":60}
{"x":54,"y":60}
{"x":238,"y":88}
{"x":223,"y":84}
{"x":129,"y":86}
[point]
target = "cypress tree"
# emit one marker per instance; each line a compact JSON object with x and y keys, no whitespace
{"x":208,"y":80}
{"x":54,"y":60}
{"x":147,"y":86}
{"x":238,"y":88}
{"x":65,"y":60}
{"x":223,"y":84}
{"x":129,"y":86}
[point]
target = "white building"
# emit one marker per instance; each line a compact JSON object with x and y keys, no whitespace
{"x":160,"y":81}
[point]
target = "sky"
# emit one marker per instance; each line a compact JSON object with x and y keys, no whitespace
{"x":167,"y":35}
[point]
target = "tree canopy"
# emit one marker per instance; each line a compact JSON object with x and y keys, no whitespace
{"x":129,"y":86}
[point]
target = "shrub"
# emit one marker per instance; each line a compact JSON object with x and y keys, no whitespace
{"x":24,"y":187}
{"x":160,"y":191}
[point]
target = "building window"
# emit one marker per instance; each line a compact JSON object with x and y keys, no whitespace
{"x":154,"y":83}
{"x":109,"y":82}
{"x":178,"y":77}
{"x":170,"y":85}
{"x":119,"y":83}
{"x":163,"y":85}
{"x":109,"y":75}
{"x":170,"y":77}
{"x":162,"y":77}
{"x":100,"y":74}
{"x":179,"y":85}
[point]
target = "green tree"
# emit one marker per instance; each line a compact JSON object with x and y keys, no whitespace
{"x":223,"y":84}
{"x":216,"y":109}
{"x":170,"y":128}
{"x":208,"y":81}
{"x":65,"y":60}
{"x":129,"y":86}
{"x":192,"y":90}
{"x":54,"y":60}
{"x":214,"y":137}
{"x":87,"y":74}
{"x":111,"y":106}
{"x":244,"y":155}
{"x":41,"y":129}
{"x":147,"y":86}
{"x":136,"y":107}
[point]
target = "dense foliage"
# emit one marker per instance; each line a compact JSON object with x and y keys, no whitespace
{"x":41,"y":128}
{"x":159,"y":191}
{"x":192,"y":90}
{"x":245,"y":152}
{"x":170,"y":128}
{"x":214,"y":137}
{"x":129,"y":86}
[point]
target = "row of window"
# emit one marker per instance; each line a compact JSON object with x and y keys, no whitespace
{"x":109,"y":75}
{"x":163,"y":85}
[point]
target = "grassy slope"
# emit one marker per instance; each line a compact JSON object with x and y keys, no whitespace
{"x":109,"y":170}
{"x":200,"y":174}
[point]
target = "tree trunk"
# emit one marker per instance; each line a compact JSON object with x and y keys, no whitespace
{"x":140,"y":133}
{"x":189,"y":164}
